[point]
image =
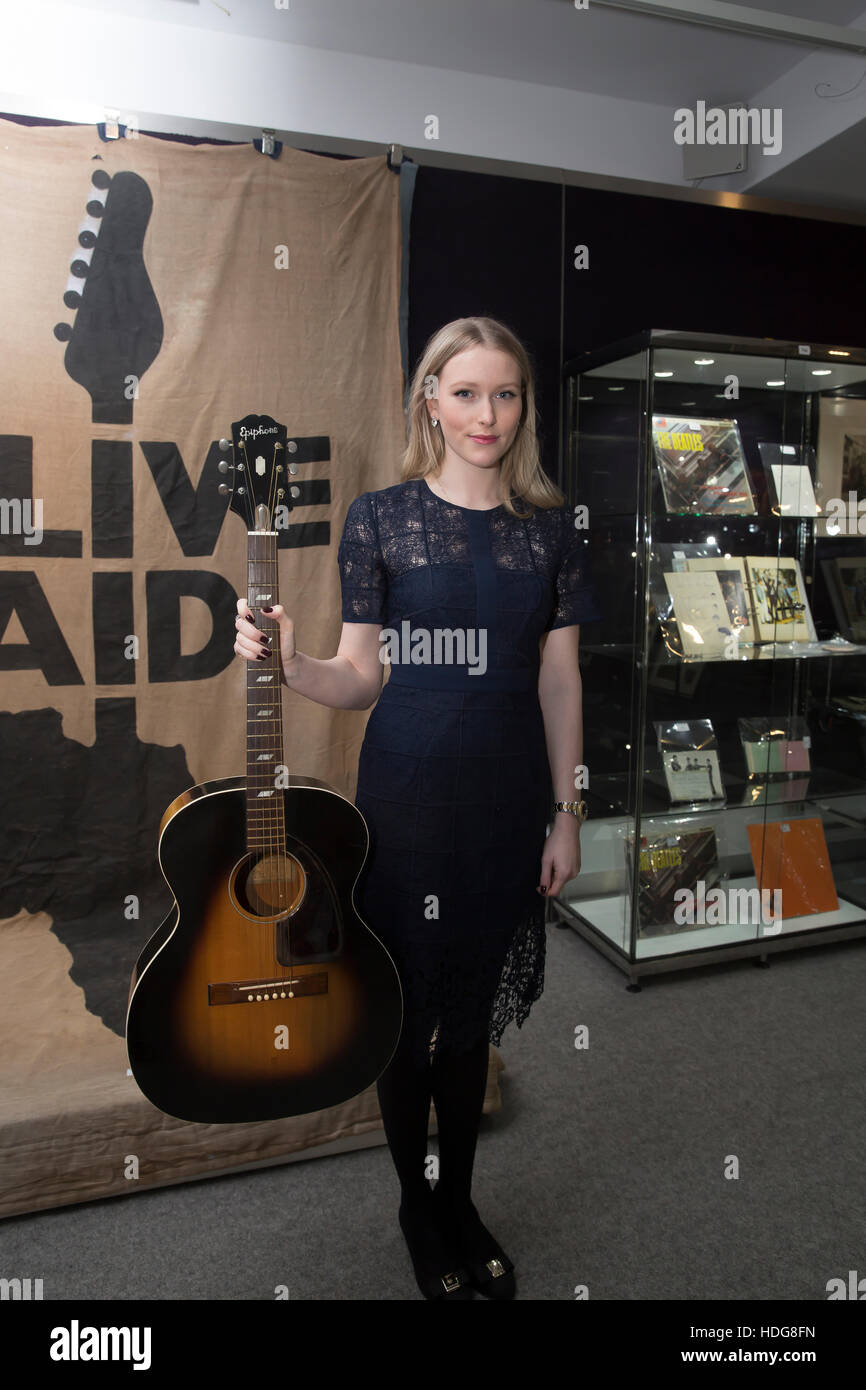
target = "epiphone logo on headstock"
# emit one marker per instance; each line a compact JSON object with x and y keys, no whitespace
{"x":254,"y":434}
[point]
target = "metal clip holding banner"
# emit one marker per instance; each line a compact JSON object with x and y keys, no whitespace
{"x":268,"y":145}
{"x":112,"y":129}
{"x":395,"y":158}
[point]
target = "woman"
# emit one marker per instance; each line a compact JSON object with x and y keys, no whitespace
{"x":472,"y":572}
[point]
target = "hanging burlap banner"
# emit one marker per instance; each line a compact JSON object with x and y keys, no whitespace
{"x":150,"y":294}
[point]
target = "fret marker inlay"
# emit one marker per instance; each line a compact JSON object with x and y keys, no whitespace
{"x":265,"y":803}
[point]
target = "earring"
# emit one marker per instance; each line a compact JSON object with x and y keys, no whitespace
{"x":435,"y":422}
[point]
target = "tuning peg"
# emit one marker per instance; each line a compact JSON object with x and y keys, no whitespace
{"x":223,"y":489}
{"x":295,"y":491}
{"x":293,"y":468}
{"x":225,"y":445}
{"x":223,"y":466}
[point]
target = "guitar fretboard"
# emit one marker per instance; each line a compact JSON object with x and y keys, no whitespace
{"x":266,"y":771}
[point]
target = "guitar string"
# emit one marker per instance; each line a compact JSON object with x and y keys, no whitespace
{"x":277,"y":819}
{"x":277,"y":884}
{"x":252,"y":819}
{"x":268,"y":817}
{"x":283,"y":871}
{"x":258,"y":810}
{"x":283,"y":860}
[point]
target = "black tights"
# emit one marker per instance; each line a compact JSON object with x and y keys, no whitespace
{"x":457,"y":1085}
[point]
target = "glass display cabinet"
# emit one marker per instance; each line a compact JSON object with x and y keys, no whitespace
{"x":721,"y":485}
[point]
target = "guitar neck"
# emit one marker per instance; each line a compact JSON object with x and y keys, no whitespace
{"x":265,"y":804}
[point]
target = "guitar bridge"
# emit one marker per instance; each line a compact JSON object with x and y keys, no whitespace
{"x":259,"y":991}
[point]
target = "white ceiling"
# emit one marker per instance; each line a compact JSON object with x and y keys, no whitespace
{"x":591,"y":91}
{"x":544,"y":41}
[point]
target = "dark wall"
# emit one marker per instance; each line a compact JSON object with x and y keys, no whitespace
{"x":482,"y":244}
{"x":488,"y":245}
{"x":657,"y":263}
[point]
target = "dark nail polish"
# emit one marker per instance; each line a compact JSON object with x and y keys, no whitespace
{"x":262,"y":656}
{"x":267,"y":610}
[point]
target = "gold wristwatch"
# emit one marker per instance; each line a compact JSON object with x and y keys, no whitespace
{"x":577,"y":808}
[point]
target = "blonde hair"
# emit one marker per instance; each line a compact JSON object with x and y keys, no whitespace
{"x":520,"y":467}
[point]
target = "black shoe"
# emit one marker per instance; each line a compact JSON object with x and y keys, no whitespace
{"x":490,"y":1270}
{"x":437,"y":1272}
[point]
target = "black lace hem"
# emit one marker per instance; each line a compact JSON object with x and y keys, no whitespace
{"x":453,"y":997}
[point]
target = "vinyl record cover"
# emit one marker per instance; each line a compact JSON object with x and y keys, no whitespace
{"x":702,"y":465}
{"x":693,"y":776}
{"x":792,"y":856}
{"x":730,"y":570}
{"x":690,"y":760}
{"x":779,"y":599}
{"x":668,"y":863}
{"x":775,"y":745}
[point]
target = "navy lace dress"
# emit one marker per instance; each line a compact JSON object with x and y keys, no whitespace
{"x":453,"y":777}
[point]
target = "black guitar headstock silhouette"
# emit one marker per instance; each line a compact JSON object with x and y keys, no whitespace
{"x":118,"y":328}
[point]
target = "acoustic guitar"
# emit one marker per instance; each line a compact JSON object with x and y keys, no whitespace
{"x":263,"y":994}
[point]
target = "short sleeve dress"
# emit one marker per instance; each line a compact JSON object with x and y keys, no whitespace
{"x":453,"y":775}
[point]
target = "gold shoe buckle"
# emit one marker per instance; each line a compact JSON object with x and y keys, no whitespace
{"x":496,"y":1268}
{"x":451,"y":1282}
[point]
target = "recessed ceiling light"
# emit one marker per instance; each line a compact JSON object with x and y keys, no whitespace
{"x":822,"y":371}
{"x":704,"y":361}
{"x":663,"y":373}
{"x":775,"y":383}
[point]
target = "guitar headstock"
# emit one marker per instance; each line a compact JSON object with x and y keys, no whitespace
{"x":260,"y":473}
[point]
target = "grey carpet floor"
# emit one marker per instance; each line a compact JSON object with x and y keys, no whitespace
{"x":708,"y":1144}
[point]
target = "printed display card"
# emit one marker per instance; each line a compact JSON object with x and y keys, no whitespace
{"x":700,"y":612}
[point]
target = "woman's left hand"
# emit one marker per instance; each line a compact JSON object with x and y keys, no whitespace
{"x":560,"y":861}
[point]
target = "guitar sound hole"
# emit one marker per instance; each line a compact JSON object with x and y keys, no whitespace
{"x":268,"y":885}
